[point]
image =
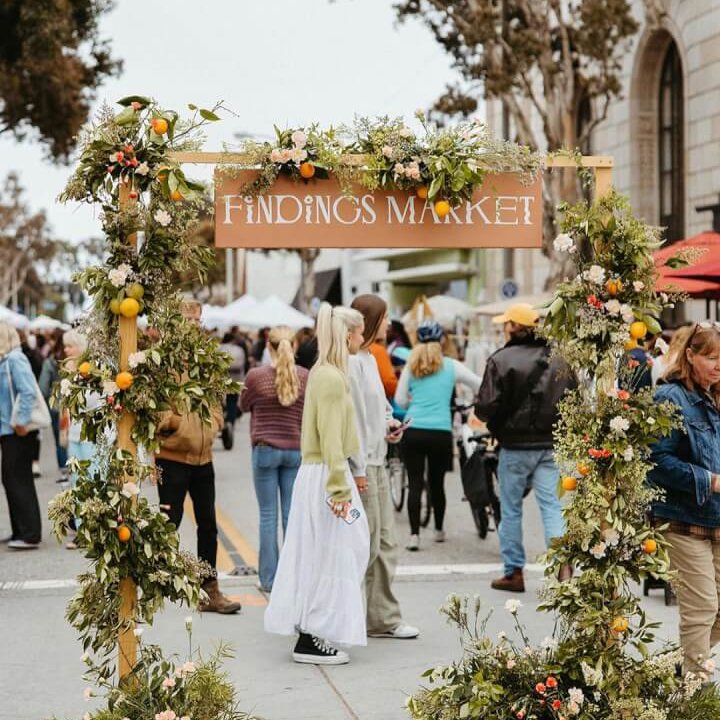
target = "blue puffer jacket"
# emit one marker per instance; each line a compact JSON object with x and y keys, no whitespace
{"x":685,"y":460}
{"x":23,"y":386}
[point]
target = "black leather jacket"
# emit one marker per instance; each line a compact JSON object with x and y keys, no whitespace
{"x":504,"y":388}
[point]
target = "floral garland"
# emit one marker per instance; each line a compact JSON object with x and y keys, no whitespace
{"x":443,"y":166}
{"x":599,"y":666}
{"x":176,"y":369}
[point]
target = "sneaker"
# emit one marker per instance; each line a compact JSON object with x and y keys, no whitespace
{"x":401,"y":632}
{"x":439,"y":536}
{"x":23,"y":545}
{"x":315,"y":651}
{"x":36,"y":469}
{"x":414,"y":543}
{"x":511,"y":583}
{"x":71,"y":544}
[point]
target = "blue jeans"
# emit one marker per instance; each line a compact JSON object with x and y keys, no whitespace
{"x":517,"y":469}
{"x":273,"y":470}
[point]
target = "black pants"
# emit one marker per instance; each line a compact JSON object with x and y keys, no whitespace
{"x":17,"y":478}
{"x":231,"y":408}
{"x":176,"y":481}
{"x":433,"y":447}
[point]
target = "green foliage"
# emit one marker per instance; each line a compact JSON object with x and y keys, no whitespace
{"x":602,"y":446}
{"x":449,"y":163}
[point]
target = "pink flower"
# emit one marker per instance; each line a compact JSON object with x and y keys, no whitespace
{"x":387,"y":151}
{"x":168,"y":682}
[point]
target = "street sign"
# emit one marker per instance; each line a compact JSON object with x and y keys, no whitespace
{"x":509,"y":289}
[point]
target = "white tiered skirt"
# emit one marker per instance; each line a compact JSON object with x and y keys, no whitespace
{"x":318,"y":585}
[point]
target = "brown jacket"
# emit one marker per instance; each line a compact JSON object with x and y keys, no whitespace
{"x":186,"y":438}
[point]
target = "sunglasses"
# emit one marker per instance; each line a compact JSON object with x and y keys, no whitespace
{"x":704,"y":325}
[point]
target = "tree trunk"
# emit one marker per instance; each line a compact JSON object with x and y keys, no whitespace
{"x":307,"y":277}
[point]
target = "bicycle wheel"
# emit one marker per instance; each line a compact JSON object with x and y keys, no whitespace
{"x":397,"y":478}
{"x":480,"y":518}
{"x":425,"y":505}
{"x":227,"y":436}
{"x":494,"y":491}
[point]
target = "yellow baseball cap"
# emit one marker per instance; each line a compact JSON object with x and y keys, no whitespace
{"x":521,"y":313}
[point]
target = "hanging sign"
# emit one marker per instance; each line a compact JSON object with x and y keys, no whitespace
{"x":503,"y":213}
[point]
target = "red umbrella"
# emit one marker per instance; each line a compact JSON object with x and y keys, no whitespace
{"x":694,"y":280}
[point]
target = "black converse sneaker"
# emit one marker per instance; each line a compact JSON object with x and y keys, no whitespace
{"x":314,"y":650}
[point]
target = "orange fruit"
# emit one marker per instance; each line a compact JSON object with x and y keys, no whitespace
{"x":569,"y":483}
{"x":631,"y":344}
{"x":649,"y":546}
{"x":619,"y":624}
{"x":421,"y":191}
{"x":638,"y":330}
{"x":84,"y":368}
{"x":115,"y":306}
{"x":124,"y":380}
{"x":583,"y":469}
{"x":307,"y":170}
{"x":129,"y":307}
{"x":159,"y":125}
{"x":136,"y":291}
{"x":613,"y":287}
{"x":176,"y":195}
{"x":442,"y":208}
{"x":123,"y":533}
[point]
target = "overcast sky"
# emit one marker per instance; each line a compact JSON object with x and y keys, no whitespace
{"x":288,"y":62}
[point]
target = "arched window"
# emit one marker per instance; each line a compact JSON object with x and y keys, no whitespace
{"x":671,"y":146}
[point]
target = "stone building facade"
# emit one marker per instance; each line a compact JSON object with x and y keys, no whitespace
{"x":664,"y":133}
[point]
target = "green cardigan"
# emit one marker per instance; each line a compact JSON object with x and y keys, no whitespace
{"x":329,"y":434}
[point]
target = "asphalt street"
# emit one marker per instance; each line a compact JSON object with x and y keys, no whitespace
{"x":40,"y":666}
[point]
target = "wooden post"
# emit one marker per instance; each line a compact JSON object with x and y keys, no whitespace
{"x":127,"y":642}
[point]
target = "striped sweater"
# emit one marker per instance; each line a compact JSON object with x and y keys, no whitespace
{"x":271,"y":423}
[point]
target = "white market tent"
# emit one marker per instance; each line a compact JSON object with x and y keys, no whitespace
{"x":500,"y":306}
{"x":17,"y":320}
{"x":43,"y":322}
{"x":272,"y":312}
{"x":445,"y":309}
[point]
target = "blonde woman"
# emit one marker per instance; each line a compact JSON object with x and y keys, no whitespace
{"x":318,"y":584}
{"x":425,"y":388}
{"x":17,"y":383}
{"x":275,"y":395}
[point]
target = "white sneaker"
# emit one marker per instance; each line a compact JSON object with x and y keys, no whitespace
{"x":413,"y":543}
{"x":36,"y":469}
{"x":439,"y":536}
{"x":402,"y":632}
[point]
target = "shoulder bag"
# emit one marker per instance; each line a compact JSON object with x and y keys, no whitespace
{"x":39,"y":416}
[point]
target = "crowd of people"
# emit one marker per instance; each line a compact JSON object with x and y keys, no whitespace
{"x":324,"y":404}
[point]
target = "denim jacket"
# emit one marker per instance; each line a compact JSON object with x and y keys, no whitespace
{"x":685,"y":459}
{"x":23,"y":382}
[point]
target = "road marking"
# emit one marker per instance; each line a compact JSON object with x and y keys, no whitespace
{"x":246,"y":550}
{"x":402,"y":571}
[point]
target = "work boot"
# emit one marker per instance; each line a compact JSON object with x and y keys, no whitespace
{"x":511,"y":583}
{"x":217,"y":602}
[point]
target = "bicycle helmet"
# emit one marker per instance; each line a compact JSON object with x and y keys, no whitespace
{"x":429,"y":331}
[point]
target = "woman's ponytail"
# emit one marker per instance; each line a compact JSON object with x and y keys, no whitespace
{"x":333,"y":326}
{"x":287,"y":383}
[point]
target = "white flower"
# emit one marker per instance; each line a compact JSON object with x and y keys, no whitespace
{"x":405,"y":132}
{"x":549,"y":643}
{"x":188,"y":622}
{"x":613,"y":307}
{"x":387,"y":151}
{"x":576,"y":695}
{"x":188,"y":667}
{"x":298,"y":155}
{"x":65,"y":387}
{"x":502,"y":635}
{"x":512,"y":606}
{"x":591,"y":675}
{"x":627,"y":313}
{"x":299,"y":139}
{"x":162,"y":218}
{"x":137,"y":632}
{"x":110,"y":387}
{"x":619,"y":425}
{"x":142,"y":524}
{"x":638,"y":285}
{"x":275,"y":156}
{"x":129,"y":489}
{"x":136,"y":358}
{"x":595,"y":274}
{"x":529,"y":650}
{"x":611,"y":536}
{"x":628,"y":453}
{"x":142,"y":169}
{"x":510,"y":664}
{"x":709,"y":665}
{"x":563,"y":242}
{"x":399,"y":169}
{"x":651,"y":421}
{"x":117,"y":276}
{"x":598,"y":550}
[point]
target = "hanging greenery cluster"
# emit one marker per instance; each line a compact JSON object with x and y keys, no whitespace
{"x":442,"y":166}
{"x":127,"y":167}
{"x":600,"y":664}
